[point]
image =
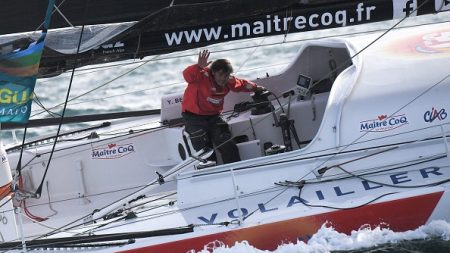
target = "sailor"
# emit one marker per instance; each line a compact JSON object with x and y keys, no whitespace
{"x":203,"y":99}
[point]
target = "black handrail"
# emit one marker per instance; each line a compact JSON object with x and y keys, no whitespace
{"x":79,"y":119}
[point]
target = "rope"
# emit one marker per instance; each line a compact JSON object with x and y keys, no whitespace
{"x":96,"y":88}
{"x":39,"y":190}
{"x":100,"y":68}
{"x":83,"y":94}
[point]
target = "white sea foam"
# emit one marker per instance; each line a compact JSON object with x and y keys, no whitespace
{"x":327,"y":239}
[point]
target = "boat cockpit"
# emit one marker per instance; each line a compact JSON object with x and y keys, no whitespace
{"x":288,"y":115}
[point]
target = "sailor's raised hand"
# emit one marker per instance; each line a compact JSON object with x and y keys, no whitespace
{"x":203,"y":59}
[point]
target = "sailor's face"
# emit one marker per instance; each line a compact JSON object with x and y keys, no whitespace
{"x":221,"y":77}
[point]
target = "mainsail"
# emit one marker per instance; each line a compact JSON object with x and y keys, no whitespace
{"x":165,"y":26}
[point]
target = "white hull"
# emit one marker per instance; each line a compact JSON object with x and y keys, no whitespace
{"x":372,"y":148}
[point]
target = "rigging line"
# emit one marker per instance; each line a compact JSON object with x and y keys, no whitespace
{"x":34,"y":157}
{"x":123,"y":217}
{"x":293,"y":41}
{"x":50,"y":206}
{"x":17,"y":175}
{"x":292,"y":158}
{"x":66,"y":227}
{"x":153,"y":88}
{"x":161,"y":214}
{"x":39,"y":103}
{"x":366,"y":156}
{"x":265,"y":203}
{"x":364,"y":134}
{"x":96,"y":88}
{"x":176,"y":55}
{"x":143,"y":90}
{"x":251,"y":54}
{"x":289,"y":26}
{"x":123,"y":134}
{"x":245,"y":48}
{"x":360,"y":51}
{"x":343,"y":208}
{"x":343,"y":64}
{"x":125,"y":189}
{"x":371,"y":181}
{"x":63,"y":16}
{"x":90,"y":214}
{"x":127,"y":93}
{"x":56,"y":7}
{"x":440,"y":182}
{"x":248,"y":47}
{"x":91,"y":195}
{"x":152,"y":216}
{"x":19,"y":163}
{"x":183,"y":165}
{"x":344,"y":147}
{"x":280,"y":161}
{"x":392,"y":185}
{"x":6,"y":202}
{"x":378,"y":170}
{"x":368,"y":172}
{"x":156,"y":215}
{"x":170,"y":203}
{"x":39,"y":190}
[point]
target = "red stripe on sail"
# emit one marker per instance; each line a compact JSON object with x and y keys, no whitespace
{"x":398,"y":215}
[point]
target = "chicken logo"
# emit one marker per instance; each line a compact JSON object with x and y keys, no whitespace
{"x":382,"y":117}
{"x":427,"y":44}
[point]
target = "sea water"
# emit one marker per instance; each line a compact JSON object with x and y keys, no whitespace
{"x":139,"y":85}
{"x":433,"y":237}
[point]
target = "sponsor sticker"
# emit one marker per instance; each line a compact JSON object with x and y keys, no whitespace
{"x":383,"y":123}
{"x":404,"y":8}
{"x":112,"y":151}
{"x":434,"y":114}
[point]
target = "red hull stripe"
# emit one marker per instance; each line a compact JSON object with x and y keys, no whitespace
{"x":5,"y":190}
{"x":398,"y":215}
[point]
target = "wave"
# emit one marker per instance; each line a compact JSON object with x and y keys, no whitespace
{"x":327,"y":239}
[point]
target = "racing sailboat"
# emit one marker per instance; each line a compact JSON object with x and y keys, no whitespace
{"x":343,"y":137}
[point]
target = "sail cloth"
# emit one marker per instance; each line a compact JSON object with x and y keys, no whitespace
{"x":18,"y":73}
{"x":167,"y":26}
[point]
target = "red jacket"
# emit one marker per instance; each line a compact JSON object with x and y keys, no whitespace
{"x":203,"y":96}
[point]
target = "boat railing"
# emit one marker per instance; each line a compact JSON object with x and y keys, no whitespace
{"x":162,"y":178}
